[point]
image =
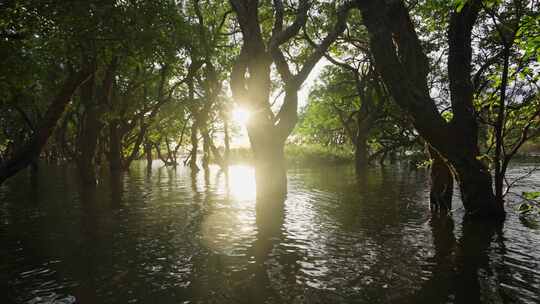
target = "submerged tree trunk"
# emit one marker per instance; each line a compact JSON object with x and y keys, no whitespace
{"x":31,"y":150}
{"x":206,"y":148}
{"x":270,"y":168}
{"x":194,"y":148}
{"x":442,"y":183}
{"x":361,"y":153}
{"x":475,"y":183}
{"x":148,"y":153}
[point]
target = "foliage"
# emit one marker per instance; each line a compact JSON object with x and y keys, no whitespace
{"x":530,"y":204}
{"x":301,"y":155}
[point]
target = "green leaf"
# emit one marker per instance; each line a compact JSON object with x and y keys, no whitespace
{"x":531,"y":195}
{"x":460,"y":4}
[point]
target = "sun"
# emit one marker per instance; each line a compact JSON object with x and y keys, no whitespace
{"x":241,"y":116}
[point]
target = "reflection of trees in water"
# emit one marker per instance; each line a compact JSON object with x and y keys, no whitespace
{"x":461,"y":270}
{"x":225,"y":268}
{"x":116,"y":184}
{"x":269,"y":221}
{"x":350,"y":234}
{"x":89,"y":263}
{"x":151,"y":247}
{"x":385,"y":211}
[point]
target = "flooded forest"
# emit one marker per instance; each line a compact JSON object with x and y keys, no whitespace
{"x":269,"y":151}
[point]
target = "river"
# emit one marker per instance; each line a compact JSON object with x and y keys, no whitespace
{"x":166,"y":236}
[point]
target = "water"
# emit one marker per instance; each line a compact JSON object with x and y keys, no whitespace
{"x":169,"y":237}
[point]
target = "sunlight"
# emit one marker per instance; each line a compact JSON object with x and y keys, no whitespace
{"x":242,"y":183}
{"x":241,"y":115}
{"x":233,"y":222}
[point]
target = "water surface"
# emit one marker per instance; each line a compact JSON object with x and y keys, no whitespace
{"x":172,"y":237}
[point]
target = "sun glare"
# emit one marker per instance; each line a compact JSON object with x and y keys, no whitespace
{"x":240,"y":116}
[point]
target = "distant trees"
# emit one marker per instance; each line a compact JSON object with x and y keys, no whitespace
{"x":102,"y":84}
{"x":350,"y":106}
{"x":137,"y":59}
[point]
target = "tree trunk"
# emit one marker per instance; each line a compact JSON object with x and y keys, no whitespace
{"x":210,"y":147}
{"x":226,"y":140}
{"x":87,"y":146}
{"x":126,"y":161}
{"x":87,"y":140}
{"x":115,"y":148}
{"x":31,"y":150}
{"x":194,"y":147}
{"x":361,"y":153}
{"x":148,"y":153}
{"x":499,"y":130}
{"x":206,"y":148}
{"x":270,"y":167}
{"x":442,"y":183}
{"x":92,"y":124}
{"x":474,"y":180}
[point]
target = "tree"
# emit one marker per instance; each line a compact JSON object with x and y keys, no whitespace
{"x":251,"y":82}
{"x":27,"y":153}
{"x":404,"y":67}
{"x":40,"y":75}
{"x":349,"y":107}
{"x":505,"y":85}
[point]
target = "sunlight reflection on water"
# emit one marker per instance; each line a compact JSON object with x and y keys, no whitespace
{"x":230,"y":225}
{"x":242,"y":183}
{"x":170,"y":236}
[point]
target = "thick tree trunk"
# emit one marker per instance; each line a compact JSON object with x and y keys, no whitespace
{"x":31,"y":150}
{"x":361,"y":154}
{"x":475,"y":183}
{"x":270,"y":168}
